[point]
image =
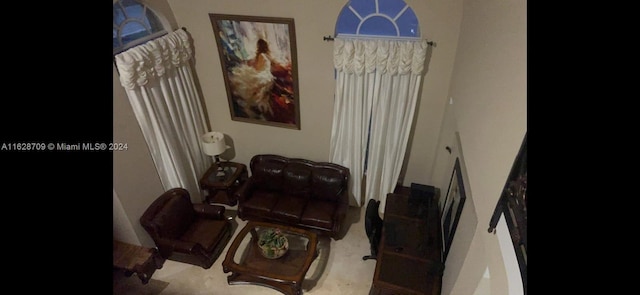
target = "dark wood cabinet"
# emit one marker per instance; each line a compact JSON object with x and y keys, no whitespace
{"x":409,"y":257}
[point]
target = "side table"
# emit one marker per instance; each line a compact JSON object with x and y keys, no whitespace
{"x":221,"y":187}
{"x":136,"y":259}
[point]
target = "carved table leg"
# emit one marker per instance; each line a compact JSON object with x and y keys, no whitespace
{"x":297,"y":289}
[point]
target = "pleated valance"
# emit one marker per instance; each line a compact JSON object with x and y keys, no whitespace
{"x":361,"y":56}
{"x":154,"y":58}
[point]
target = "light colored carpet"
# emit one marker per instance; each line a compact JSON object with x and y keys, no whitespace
{"x":339,"y":268}
{"x":123,"y":285}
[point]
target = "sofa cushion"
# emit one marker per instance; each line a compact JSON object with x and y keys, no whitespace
{"x":260,"y":203}
{"x":319,"y":214}
{"x":297,"y":180}
{"x":327,"y":184}
{"x":289,"y":209}
{"x":175,"y":217}
{"x":206,"y":232}
{"x":268,"y":175}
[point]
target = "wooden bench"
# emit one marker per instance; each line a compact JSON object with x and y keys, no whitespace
{"x":136,"y":259}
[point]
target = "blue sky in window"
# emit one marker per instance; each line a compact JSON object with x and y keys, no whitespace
{"x":378,"y":17}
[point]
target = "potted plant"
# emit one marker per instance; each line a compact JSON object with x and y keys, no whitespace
{"x":273,"y":244}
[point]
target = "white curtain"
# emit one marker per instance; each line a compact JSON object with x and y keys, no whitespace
{"x":158,"y":80}
{"x":377,"y":86}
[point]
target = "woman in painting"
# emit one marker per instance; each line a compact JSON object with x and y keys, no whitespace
{"x":253,"y":82}
{"x":258,"y":81}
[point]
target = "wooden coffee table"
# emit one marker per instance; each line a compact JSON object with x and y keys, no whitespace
{"x":285,"y":274}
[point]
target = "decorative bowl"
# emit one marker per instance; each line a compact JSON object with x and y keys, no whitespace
{"x":273,"y":244}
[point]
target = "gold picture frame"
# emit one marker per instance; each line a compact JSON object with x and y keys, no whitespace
{"x":259,"y":66}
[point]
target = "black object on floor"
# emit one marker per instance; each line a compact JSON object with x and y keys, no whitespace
{"x":373,"y":227}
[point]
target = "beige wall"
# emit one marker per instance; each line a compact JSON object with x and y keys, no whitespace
{"x":122,"y":227}
{"x":488,"y":89}
{"x":487,"y":84}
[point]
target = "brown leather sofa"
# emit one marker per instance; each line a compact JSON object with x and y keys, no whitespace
{"x":298,"y":192}
{"x":187,"y":232}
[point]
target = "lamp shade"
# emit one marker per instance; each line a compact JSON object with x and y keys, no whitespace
{"x":213,"y":143}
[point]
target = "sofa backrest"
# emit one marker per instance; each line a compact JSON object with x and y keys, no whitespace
{"x":299,"y":177}
{"x":170,"y":215}
{"x":328,"y":183}
{"x":266,"y":172}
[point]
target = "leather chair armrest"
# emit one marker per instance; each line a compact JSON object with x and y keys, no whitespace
{"x":209,"y":211}
{"x":166,"y":247}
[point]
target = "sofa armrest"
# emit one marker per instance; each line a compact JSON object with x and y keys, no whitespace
{"x":210,"y":211}
{"x":341,"y":212}
{"x":167,"y":246}
{"x":343,"y":204}
{"x":244,"y":192}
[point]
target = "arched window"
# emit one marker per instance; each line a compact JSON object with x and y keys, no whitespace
{"x":133,"y":24}
{"x":378,"y":18}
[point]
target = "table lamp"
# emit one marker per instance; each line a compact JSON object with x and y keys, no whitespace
{"x":213,"y":144}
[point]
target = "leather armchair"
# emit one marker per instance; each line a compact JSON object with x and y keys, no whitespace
{"x":186,"y":232}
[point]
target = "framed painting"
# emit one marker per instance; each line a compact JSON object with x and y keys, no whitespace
{"x":259,"y":66}
{"x":452,"y":208}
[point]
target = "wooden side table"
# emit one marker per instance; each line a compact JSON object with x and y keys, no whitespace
{"x":221,"y":187}
{"x":140,"y":260}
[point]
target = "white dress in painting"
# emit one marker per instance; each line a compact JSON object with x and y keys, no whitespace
{"x":253,"y":82}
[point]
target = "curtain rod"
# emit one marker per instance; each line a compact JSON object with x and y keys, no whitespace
{"x":329,"y":38}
